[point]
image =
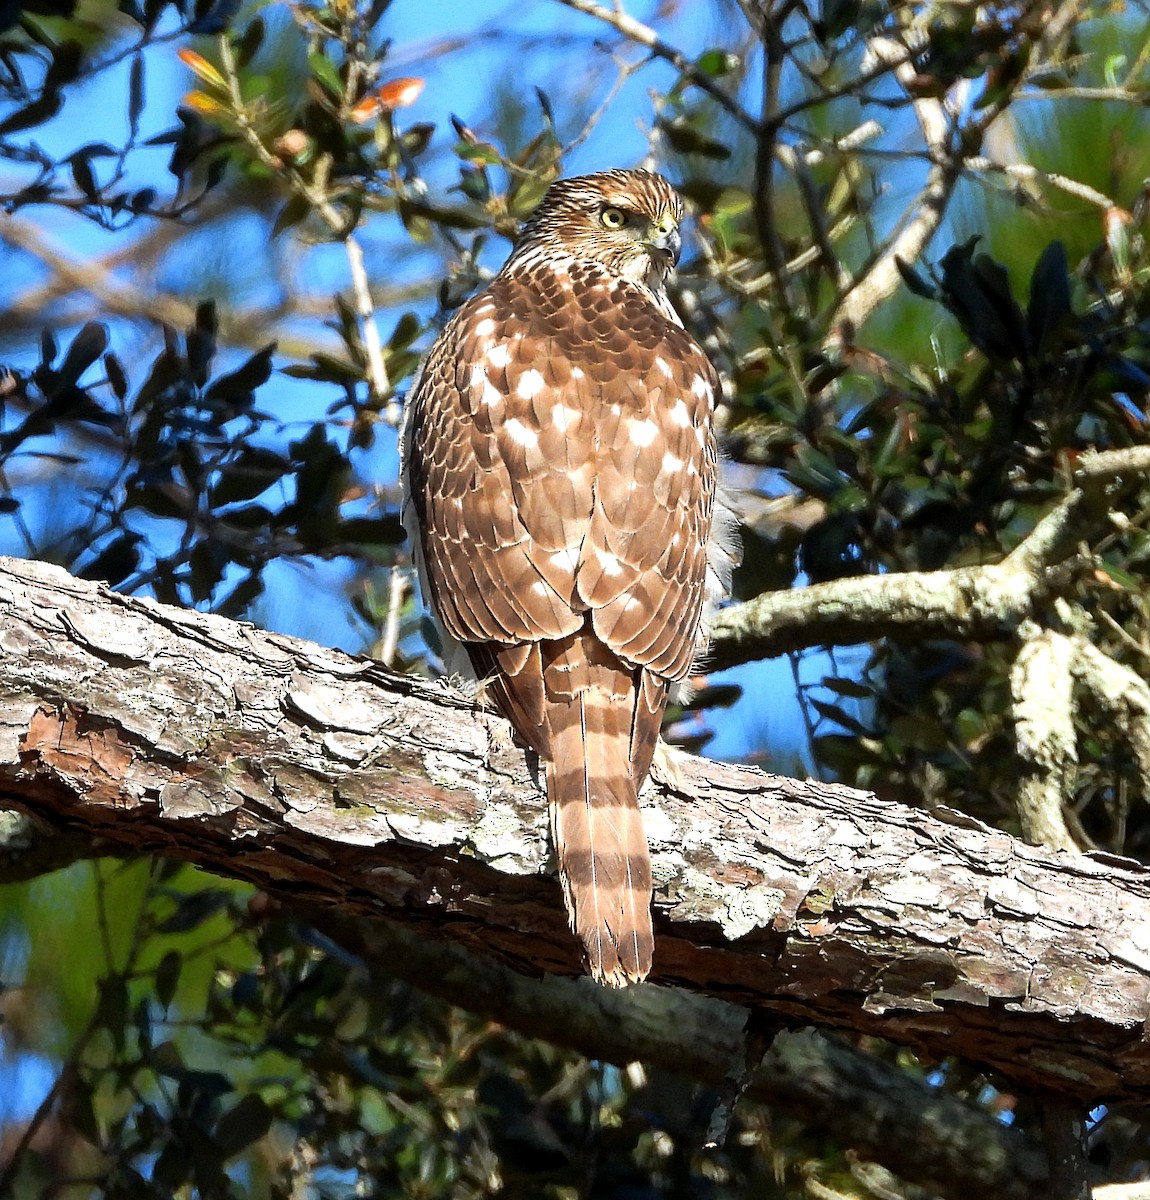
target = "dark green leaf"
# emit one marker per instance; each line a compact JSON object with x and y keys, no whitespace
{"x":168,"y":977}
{"x":237,"y":387}
{"x":36,"y":113}
{"x":119,"y":559}
{"x":112,"y":1006}
{"x":1049,"y":308}
{"x":135,"y":94}
{"x":86,"y":347}
{"x":686,"y":139}
{"x":65,"y":66}
{"x":716,"y":62}
{"x":839,"y":715}
{"x":116,"y":377}
{"x":405,"y":332}
{"x":915,"y":281}
{"x":848,"y":687}
{"x":81,"y":1112}
{"x":84,"y":179}
{"x":376,"y":531}
{"x":194,"y":909}
{"x":246,"y":1122}
{"x":250,"y":42}
{"x":294,"y":211}
{"x":251,"y":472}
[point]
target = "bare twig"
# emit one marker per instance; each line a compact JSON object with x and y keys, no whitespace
{"x":365,"y":311}
{"x":925,"y":214}
{"x":643,"y":35}
{"x":397,"y":590}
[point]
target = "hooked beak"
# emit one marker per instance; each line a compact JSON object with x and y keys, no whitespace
{"x":666,"y":244}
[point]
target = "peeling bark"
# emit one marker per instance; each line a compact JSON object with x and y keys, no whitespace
{"x":325,"y":778}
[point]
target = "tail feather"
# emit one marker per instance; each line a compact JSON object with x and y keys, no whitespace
{"x":594,"y":721}
{"x":597,"y":828}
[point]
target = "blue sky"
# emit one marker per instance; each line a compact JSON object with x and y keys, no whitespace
{"x":464,"y":51}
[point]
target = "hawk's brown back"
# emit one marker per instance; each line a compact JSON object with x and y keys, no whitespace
{"x":561,"y":466}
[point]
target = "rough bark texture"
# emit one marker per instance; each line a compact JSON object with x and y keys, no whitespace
{"x":323,"y":777}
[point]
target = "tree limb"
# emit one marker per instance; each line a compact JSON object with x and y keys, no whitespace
{"x":967,"y":603}
{"x":326,"y":779}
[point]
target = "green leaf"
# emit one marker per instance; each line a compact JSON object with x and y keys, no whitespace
{"x":376,"y":531}
{"x":405,"y":332}
{"x":716,"y":62}
{"x":684,"y":138}
{"x":292,"y":213}
{"x":244,"y":1123}
{"x":81,"y":1112}
{"x":194,"y":909}
{"x":237,"y":387}
{"x":1049,"y":309}
{"x":168,"y":977}
{"x":324,"y":70}
{"x":86,"y":347}
{"x":250,"y":42}
{"x":915,"y":281}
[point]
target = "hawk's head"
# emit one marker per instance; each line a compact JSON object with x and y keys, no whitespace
{"x":627,"y":221}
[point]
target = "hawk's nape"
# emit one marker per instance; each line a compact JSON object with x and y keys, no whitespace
{"x":559,"y":464}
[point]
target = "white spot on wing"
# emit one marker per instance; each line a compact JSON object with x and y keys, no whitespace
{"x":671,"y":462}
{"x":567,"y":559}
{"x":485,"y":328}
{"x":499,"y":355}
{"x":576,"y":372}
{"x":520,"y":434}
{"x":700,"y":387}
{"x":478,"y":376}
{"x":679,"y":414}
{"x":530,"y":384}
{"x":661,"y":365}
{"x":644,"y":432}
{"x":610,"y":563}
{"x":491,"y":394}
{"x":563,"y":417}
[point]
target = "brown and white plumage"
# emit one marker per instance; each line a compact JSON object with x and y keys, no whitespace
{"x":560,"y":466}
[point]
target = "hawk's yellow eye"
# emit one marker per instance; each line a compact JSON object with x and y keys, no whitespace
{"x":613,"y":218}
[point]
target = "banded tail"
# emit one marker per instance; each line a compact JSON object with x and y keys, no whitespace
{"x":601,"y":722}
{"x":594,"y":721}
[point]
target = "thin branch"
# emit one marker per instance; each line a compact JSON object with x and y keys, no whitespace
{"x":365,"y":311}
{"x":925,"y":215}
{"x":974,"y":603}
{"x":643,"y":35}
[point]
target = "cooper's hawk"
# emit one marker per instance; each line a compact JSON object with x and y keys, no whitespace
{"x":560,"y":467}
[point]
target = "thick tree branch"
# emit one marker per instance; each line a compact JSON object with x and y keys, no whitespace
{"x":324,"y":778}
{"x":884,"y":1114}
